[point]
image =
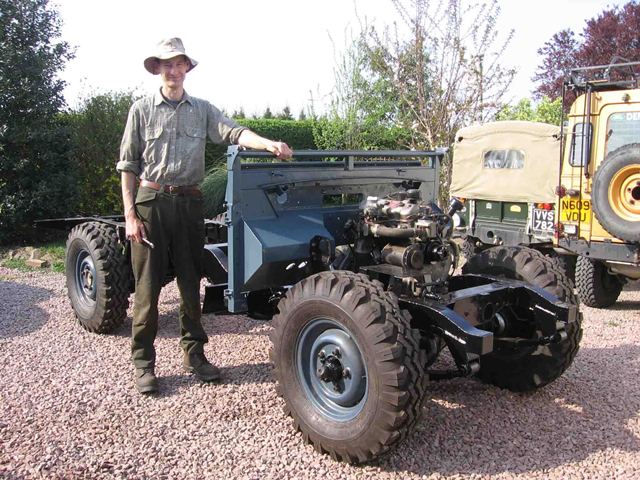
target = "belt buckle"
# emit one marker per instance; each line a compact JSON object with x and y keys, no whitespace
{"x":173,"y":189}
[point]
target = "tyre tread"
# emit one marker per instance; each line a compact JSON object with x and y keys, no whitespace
{"x":399,"y":359}
{"x":111,"y":306}
{"x":529,"y":373}
{"x":590,"y":287}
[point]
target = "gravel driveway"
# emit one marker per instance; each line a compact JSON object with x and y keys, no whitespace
{"x":68,"y":407}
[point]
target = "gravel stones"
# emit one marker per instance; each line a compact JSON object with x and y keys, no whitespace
{"x":69,"y":409}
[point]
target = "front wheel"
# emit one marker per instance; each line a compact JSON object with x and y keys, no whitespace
{"x":348,"y":365}
{"x":526,"y":368}
{"x":98,"y":277}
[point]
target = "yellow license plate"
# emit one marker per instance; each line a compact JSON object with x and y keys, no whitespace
{"x":575,"y":211}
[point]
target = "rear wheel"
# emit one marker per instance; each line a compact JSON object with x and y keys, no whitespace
{"x":348,"y":365}
{"x":566,"y":263}
{"x":98,"y":277}
{"x":595,"y":285}
{"x":530,"y":367}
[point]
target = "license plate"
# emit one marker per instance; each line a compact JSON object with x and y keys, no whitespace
{"x":575,"y":211}
{"x":543,"y":220}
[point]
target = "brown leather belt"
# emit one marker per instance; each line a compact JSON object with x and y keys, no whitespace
{"x":185,"y":190}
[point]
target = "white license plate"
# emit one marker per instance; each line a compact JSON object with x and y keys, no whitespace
{"x":543,"y":220}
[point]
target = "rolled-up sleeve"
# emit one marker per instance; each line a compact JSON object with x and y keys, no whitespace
{"x":131,"y":147}
{"x":222,"y":130}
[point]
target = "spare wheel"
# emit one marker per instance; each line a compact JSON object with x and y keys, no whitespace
{"x":616,"y":193}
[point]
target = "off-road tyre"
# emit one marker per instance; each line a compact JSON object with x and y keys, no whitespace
{"x":528,"y":368}
{"x":566,"y":263}
{"x":615,"y":193}
{"x":395,"y":379}
{"x":595,"y":285}
{"x":98,"y":277}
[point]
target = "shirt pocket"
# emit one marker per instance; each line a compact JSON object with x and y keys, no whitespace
{"x":195,"y":140}
{"x":155,"y":143}
{"x":152,"y":132}
{"x":195,"y":133}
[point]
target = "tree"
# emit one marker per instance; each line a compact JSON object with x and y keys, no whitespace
{"x":558,"y":56}
{"x":35,"y":178}
{"x":302,"y":116}
{"x":435,"y":71}
{"x":361,"y":108}
{"x":285,"y":114}
{"x":545,"y":111}
{"x":267,"y":113}
{"x":238,"y":114}
{"x":614,"y":32}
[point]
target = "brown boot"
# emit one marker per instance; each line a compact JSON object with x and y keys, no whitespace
{"x":146,"y":381}
{"x":197,"y":363}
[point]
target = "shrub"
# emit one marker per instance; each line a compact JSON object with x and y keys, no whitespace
{"x":96,"y":131}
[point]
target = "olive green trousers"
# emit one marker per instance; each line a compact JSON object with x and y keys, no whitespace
{"x":175,"y":225}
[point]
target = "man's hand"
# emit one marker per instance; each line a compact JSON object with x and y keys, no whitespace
{"x":134,"y":227}
{"x":249,"y":139}
{"x":280,"y":150}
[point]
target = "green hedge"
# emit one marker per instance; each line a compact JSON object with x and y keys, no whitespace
{"x":96,"y":130}
{"x":340,"y":134}
{"x":298,"y":134}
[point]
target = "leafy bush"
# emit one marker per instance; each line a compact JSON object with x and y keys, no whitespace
{"x":545,"y":111}
{"x":96,"y":131}
{"x":214,"y":189}
{"x":298,"y":134}
{"x":342,"y":134}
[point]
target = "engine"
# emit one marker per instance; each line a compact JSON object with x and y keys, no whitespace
{"x":406,"y":237}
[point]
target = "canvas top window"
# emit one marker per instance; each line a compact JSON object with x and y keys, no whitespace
{"x":503,"y":159}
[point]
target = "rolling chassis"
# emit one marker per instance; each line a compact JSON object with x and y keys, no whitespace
{"x":350,"y":256}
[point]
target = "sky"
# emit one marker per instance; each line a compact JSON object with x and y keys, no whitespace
{"x":266,"y":53}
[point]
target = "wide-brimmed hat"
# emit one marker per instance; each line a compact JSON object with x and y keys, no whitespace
{"x":167,"y":48}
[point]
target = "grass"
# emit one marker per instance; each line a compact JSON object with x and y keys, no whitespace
{"x":56,"y":251}
{"x":17,"y":263}
{"x":53,"y":252}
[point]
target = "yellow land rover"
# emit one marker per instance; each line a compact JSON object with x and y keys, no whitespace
{"x":598,"y":209}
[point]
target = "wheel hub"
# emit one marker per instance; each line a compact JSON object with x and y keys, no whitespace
{"x":331,"y":369}
{"x":86,"y":277}
{"x":624,"y":193}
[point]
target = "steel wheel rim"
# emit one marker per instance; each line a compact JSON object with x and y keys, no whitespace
{"x":318,"y":367}
{"x":86,"y":278}
{"x":624,"y":193}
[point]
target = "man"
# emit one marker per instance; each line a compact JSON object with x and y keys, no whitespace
{"x":163,"y":144}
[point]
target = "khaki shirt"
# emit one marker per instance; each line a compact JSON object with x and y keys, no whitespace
{"x":166,"y":145}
